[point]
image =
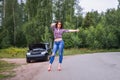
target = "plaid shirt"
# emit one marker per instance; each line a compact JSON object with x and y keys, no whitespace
{"x":58,"y":33}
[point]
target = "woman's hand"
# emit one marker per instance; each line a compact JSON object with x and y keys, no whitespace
{"x":53,"y":24}
{"x":77,"y":30}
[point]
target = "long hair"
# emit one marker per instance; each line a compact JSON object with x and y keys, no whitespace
{"x":57,"y":24}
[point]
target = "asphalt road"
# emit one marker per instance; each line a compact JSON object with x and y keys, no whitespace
{"x":98,"y":66}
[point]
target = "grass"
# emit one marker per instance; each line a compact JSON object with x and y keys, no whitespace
{"x":86,"y":51}
{"x":21,"y":52}
{"x":13,"y":52}
{"x":6,"y":69}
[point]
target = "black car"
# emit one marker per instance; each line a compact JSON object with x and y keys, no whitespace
{"x":37,"y":52}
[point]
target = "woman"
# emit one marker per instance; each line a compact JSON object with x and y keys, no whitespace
{"x":58,"y":30}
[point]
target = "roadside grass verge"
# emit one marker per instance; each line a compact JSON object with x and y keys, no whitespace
{"x":75,"y":51}
{"x":14,"y":52}
{"x":6,"y":69}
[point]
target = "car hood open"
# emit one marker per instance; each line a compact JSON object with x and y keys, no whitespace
{"x":34,"y":46}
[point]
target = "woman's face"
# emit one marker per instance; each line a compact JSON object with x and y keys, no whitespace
{"x":59,"y":25}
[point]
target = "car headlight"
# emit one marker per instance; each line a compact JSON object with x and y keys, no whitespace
{"x":28,"y":53}
{"x":44,"y":52}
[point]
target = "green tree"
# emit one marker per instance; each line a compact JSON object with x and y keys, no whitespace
{"x":31,"y":8}
{"x":11,"y":20}
{"x":111,"y":17}
{"x":38,"y":20}
{"x":64,"y":10}
{"x":88,"y":20}
{"x":119,"y":4}
{"x":4,"y":39}
{"x":101,"y":37}
{"x":47,"y":36}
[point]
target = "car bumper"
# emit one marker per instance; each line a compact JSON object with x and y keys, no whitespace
{"x":36,"y":57}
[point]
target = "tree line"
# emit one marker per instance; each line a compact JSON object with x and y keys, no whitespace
{"x":24,"y":23}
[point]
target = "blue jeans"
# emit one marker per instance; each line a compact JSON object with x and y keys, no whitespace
{"x":58,"y":45}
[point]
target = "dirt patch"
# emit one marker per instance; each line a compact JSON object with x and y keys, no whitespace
{"x":20,"y":61}
{"x":26,"y":71}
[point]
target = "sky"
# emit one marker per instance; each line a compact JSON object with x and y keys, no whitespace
{"x":99,"y":5}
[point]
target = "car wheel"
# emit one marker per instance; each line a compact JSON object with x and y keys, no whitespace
{"x":27,"y":60}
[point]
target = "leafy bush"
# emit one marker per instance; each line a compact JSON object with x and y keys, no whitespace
{"x":13,"y":52}
{"x":4,"y":39}
{"x":101,"y":37}
{"x":21,"y":39}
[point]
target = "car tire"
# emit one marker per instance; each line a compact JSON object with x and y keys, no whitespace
{"x":27,"y":60}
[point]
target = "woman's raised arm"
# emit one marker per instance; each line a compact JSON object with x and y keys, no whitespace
{"x":73,"y":30}
{"x":53,"y":24}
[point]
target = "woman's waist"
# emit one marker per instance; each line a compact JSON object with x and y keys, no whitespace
{"x":58,"y":39}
